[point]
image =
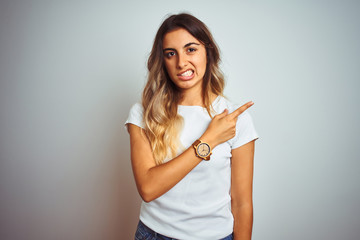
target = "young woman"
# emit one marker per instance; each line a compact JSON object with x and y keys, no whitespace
{"x":191,"y":149}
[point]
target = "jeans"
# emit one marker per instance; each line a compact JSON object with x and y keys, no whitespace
{"x":145,"y":233}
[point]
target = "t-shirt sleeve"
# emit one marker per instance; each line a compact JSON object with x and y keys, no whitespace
{"x":135,"y":116}
{"x":245,"y":131}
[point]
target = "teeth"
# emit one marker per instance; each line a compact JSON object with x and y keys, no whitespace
{"x":187,"y":73}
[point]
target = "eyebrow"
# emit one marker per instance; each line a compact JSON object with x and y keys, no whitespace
{"x":186,"y":45}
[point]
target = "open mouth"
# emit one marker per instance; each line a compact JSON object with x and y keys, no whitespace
{"x":188,"y":73}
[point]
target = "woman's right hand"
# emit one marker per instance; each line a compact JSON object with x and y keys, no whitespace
{"x":223,"y":126}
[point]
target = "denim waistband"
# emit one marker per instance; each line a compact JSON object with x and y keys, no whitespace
{"x":144,"y":232}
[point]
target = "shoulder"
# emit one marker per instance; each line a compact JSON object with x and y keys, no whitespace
{"x":136,"y":115}
{"x":136,"y":111}
{"x":136,"y":108}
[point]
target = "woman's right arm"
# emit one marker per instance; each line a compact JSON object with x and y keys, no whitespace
{"x":153,"y":180}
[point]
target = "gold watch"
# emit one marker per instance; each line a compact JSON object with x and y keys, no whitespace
{"x":202,"y":149}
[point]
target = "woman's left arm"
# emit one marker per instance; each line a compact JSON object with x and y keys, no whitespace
{"x":242,"y":164}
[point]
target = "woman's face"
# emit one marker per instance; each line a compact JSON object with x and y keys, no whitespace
{"x":185,"y":59}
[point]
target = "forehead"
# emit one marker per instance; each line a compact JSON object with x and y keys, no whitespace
{"x":178,"y":38}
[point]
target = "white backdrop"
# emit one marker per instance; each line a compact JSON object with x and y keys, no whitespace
{"x":70,"y":71}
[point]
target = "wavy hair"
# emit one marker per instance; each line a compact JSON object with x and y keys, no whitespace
{"x":160,"y":97}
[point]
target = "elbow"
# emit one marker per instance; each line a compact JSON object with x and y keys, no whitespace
{"x":146,"y":197}
{"x":147,"y":200}
{"x":147,"y":194}
{"x":244,"y":211}
{"x":241,"y":205}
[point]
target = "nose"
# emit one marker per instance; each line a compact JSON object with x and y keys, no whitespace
{"x":182,"y":60}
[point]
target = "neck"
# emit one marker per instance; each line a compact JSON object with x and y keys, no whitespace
{"x":191,"y":97}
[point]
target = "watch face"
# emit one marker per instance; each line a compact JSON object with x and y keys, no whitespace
{"x":203,"y":149}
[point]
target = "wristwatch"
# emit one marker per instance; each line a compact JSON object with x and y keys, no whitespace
{"x":202,"y":149}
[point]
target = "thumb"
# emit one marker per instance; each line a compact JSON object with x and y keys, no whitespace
{"x":223,"y":114}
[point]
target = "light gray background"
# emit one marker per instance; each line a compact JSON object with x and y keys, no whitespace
{"x":70,"y":71}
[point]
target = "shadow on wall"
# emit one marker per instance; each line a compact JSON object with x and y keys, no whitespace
{"x":128,"y":200}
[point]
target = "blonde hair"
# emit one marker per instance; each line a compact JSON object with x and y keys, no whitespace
{"x":160,"y":97}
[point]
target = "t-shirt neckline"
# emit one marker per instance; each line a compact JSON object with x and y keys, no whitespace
{"x":197,"y":106}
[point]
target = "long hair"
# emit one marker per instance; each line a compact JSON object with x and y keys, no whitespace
{"x":160,"y":97}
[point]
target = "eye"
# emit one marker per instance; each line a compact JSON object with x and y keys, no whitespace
{"x":190,"y":50}
{"x":169,"y":54}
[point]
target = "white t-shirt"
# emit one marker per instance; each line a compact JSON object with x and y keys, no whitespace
{"x":199,"y":206}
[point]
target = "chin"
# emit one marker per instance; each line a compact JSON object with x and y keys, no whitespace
{"x":187,"y":84}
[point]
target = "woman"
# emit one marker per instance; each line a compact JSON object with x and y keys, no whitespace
{"x":191,"y":150}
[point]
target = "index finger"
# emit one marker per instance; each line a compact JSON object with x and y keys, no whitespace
{"x":240,"y":110}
